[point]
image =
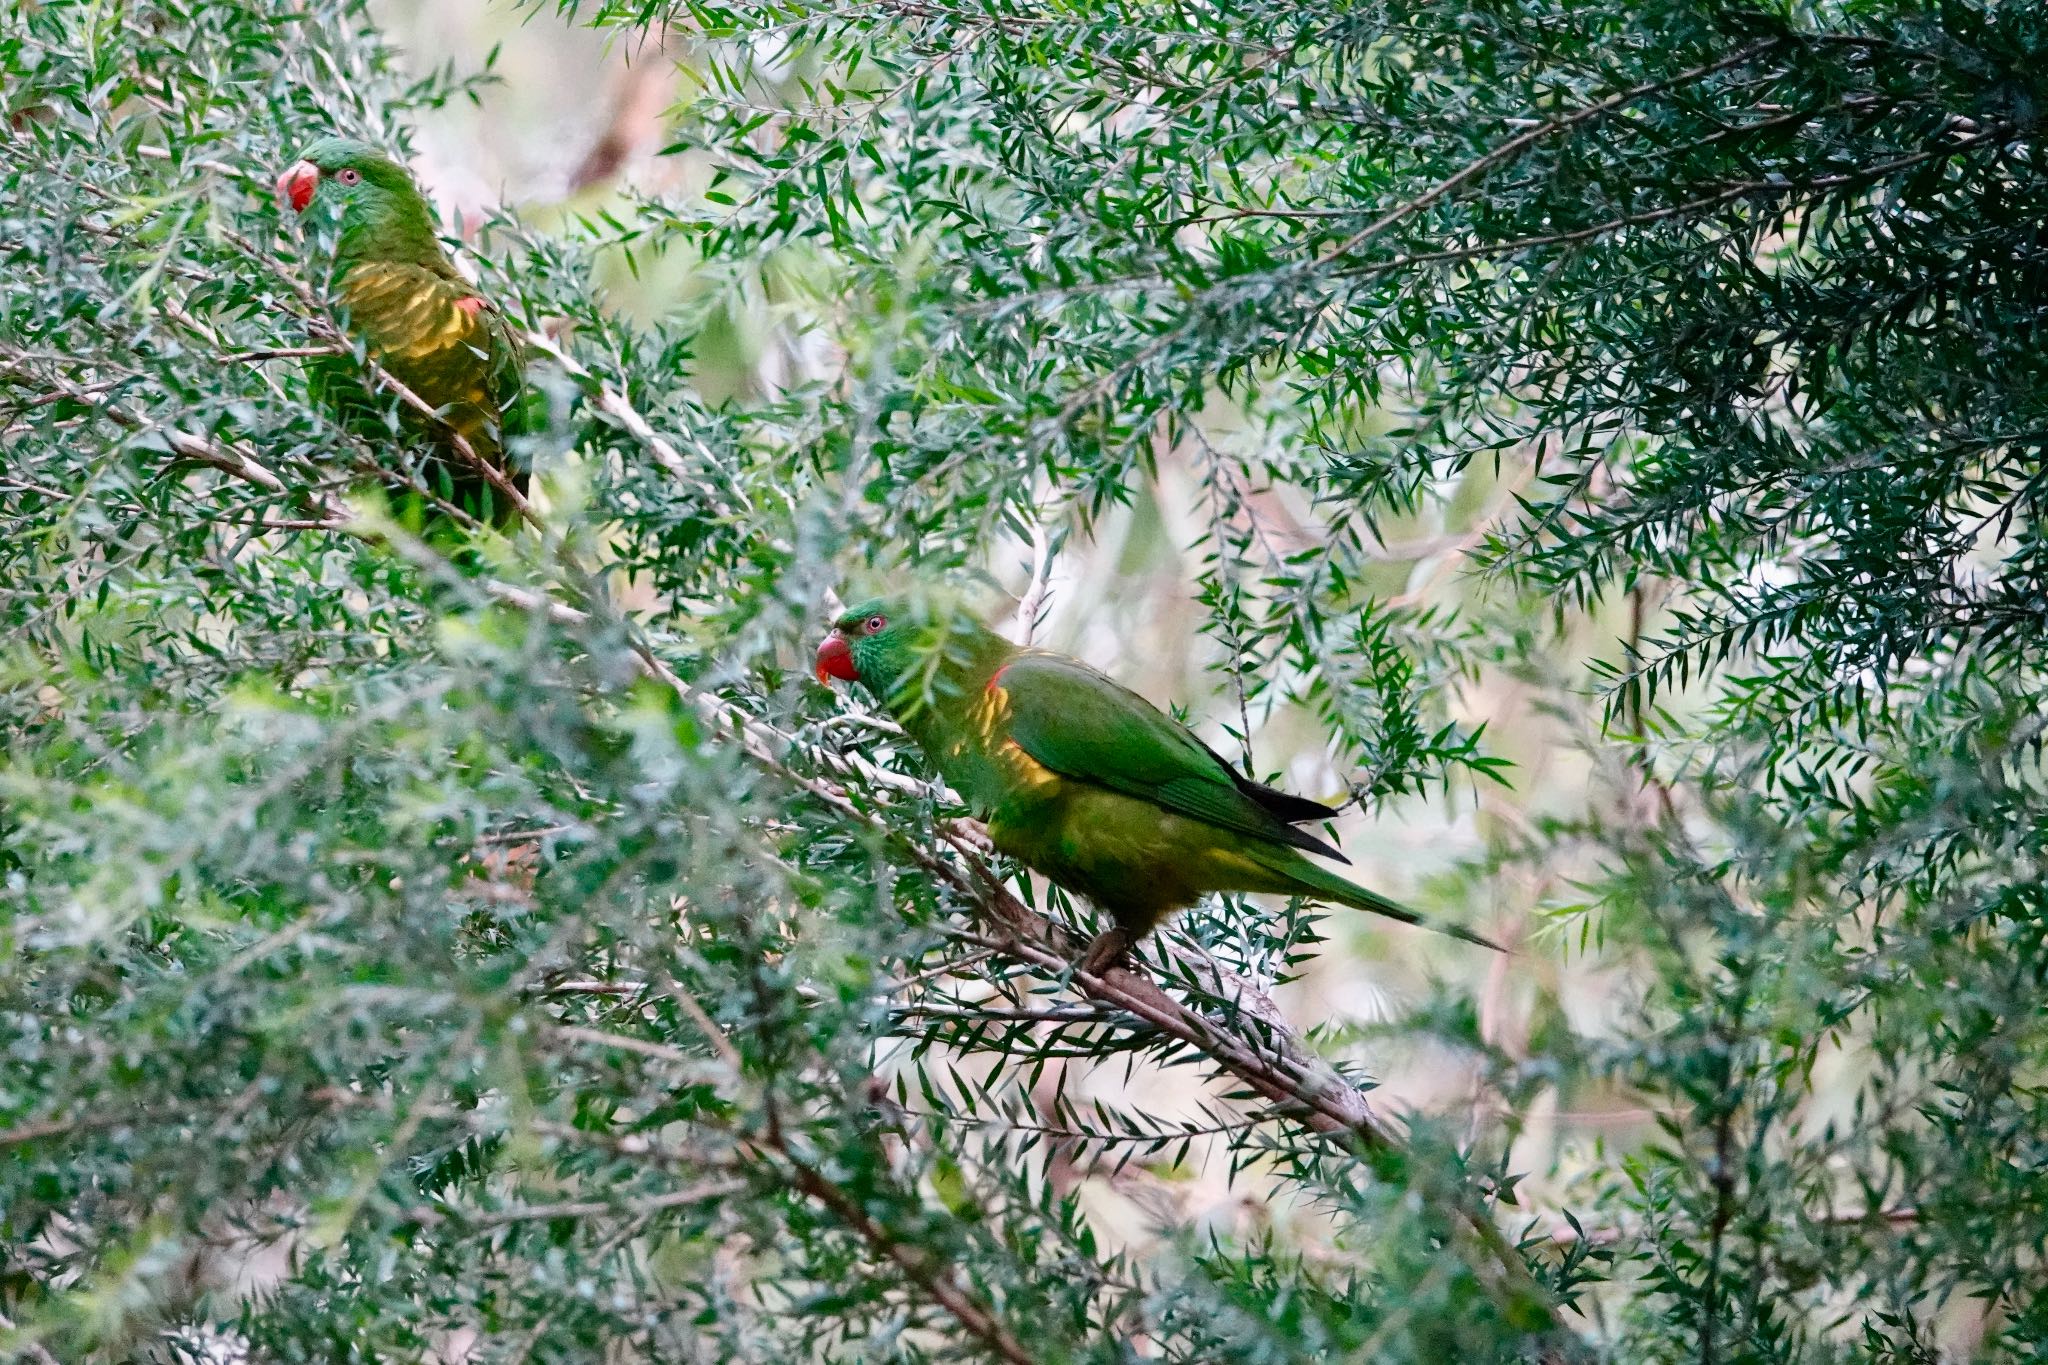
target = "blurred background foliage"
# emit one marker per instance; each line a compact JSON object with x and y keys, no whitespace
{"x":1603,"y":440}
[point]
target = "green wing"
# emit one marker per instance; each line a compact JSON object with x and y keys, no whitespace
{"x":520,"y":409}
{"x":1083,"y":726}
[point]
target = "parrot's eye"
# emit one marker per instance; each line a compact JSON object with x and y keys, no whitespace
{"x":874,"y":624}
{"x":348,"y":175}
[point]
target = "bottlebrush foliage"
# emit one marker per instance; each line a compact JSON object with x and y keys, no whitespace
{"x":531,"y":964}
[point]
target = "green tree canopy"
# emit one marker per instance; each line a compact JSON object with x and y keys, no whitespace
{"x":527,"y":962}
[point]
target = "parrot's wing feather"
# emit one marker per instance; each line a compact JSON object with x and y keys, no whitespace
{"x":521,"y":407}
{"x":1083,"y":726}
{"x":508,"y":357}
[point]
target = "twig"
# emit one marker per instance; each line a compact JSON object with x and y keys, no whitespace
{"x":522,"y":836}
{"x":1031,"y":607}
{"x":280,"y":353}
{"x":918,"y":1263}
{"x":228,"y":459}
{"x":703,"y":1193}
{"x":492,"y":474}
{"x":713,"y":1034}
{"x":623,"y":990}
{"x":1723,"y":1178}
{"x":615,"y":405}
{"x":660,"y":1052}
{"x":1515,"y":146}
{"x":1066,"y":1014}
{"x":950,"y":967}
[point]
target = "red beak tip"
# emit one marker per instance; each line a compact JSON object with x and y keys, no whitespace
{"x":835,"y":660}
{"x":296,"y":183}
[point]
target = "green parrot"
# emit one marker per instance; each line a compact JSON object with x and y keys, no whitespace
{"x":1084,"y":780}
{"x":395,"y":291}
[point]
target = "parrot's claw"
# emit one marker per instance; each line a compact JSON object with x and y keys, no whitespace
{"x":1110,"y":948}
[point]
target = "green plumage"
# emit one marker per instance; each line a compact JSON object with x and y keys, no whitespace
{"x":394,"y":290}
{"x":1084,"y":780}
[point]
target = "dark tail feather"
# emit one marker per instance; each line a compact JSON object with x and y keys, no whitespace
{"x":1324,"y":884}
{"x":1460,"y":932}
{"x":1289,"y":810}
{"x":1284,"y":806}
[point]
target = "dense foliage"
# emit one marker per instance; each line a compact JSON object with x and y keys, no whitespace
{"x":533,"y":964}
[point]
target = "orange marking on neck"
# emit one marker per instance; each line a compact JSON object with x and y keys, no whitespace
{"x":471,"y":305}
{"x":995,"y":679}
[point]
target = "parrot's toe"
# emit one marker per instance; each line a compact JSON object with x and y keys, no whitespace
{"x":1109,"y":949}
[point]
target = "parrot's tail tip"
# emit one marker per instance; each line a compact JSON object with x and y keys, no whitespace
{"x":1460,"y":932}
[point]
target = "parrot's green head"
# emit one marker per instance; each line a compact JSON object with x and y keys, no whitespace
{"x":892,"y":645}
{"x":872,"y":643}
{"x":371,"y":198}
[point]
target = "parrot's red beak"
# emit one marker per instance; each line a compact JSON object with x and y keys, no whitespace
{"x":296,"y":185}
{"x":835,"y":659}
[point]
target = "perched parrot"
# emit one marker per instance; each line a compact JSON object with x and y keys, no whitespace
{"x":395,"y":291}
{"x":1083,"y":780}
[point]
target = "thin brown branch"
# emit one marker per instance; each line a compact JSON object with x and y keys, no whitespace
{"x":523,"y":836}
{"x":622,"y":990}
{"x":39,"y":1129}
{"x":703,"y":1193}
{"x":1064,"y":1014}
{"x":281,"y":353}
{"x":950,"y":967}
{"x":228,"y":459}
{"x":919,"y":1264}
{"x":1515,"y":146}
{"x":619,"y":1042}
{"x":489,"y":469}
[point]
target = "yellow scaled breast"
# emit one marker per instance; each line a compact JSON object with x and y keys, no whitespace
{"x":408,"y":314}
{"x":1035,"y":776}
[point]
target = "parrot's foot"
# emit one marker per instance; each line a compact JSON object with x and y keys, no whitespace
{"x":1110,"y":948}
{"x":972,"y":833}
